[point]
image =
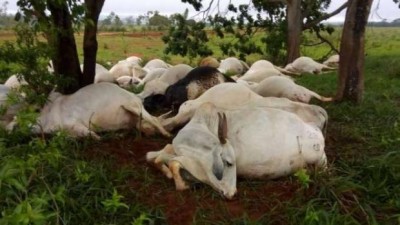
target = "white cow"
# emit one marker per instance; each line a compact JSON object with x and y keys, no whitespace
{"x":277,"y":86}
{"x":10,"y":109}
{"x":15,"y":81}
{"x":333,"y":61}
{"x":169,"y":77}
{"x":306,"y":65}
{"x":124,"y":68}
{"x":153,"y":74}
{"x":128,"y":81}
{"x":251,"y":142}
{"x":134,"y":60}
{"x":101,"y":74}
{"x":260,"y":74}
{"x":232,"y":65}
{"x":265,"y":64}
{"x":96,"y":107}
{"x":230,"y":96}
{"x":155,"y":63}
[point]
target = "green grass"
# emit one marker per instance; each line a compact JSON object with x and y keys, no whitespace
{"x":65,"y":181}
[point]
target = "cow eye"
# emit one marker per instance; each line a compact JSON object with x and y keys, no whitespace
{"x":228,"y":164}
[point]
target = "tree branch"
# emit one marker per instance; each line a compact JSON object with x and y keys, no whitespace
{"x":326,"y":41}
{"x":324,"y":17}
{"x":323,"y":40}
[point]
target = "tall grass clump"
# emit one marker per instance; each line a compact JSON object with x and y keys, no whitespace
{"x":51,"y":179}
{"x":363,"y":146}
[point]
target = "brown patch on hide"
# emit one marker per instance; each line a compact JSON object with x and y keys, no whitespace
{"x":199,"y":86}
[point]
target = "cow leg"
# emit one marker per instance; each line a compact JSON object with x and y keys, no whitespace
{"x":80,"y":130}
{"x":139,"y":110}
{"x":165,"y":155}
{"x":152,"y":120}
{"x":174,"y":167}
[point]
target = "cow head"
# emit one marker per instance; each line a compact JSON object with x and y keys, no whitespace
{"x":139,"y":72}
{"x":289,"y":67}
{"x":203,"y":150}
{"x":153,"y":87}
{"x":155,"y":103}
{"x":298,"y":95}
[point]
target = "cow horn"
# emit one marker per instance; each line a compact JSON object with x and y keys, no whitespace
{"x":165,"y":115}
{"x":222,"y":128}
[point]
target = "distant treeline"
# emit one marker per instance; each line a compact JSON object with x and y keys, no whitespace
{"x":384,"y":23}
{"x":6,"y":21}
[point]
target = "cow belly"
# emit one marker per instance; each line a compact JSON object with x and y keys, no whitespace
{"x":272,"y":167}
{"x":273,"y":143}
{"x":114,"y":120}
{"x":280,"y":157}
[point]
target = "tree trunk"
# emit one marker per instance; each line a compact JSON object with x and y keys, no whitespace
{"x":295,"y":25}
{"x":351,"y":65}
{"x":93,"y":9}
{"x":65,"y":60}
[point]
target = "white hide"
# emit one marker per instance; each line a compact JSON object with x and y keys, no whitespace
{"x":175,"y":73}
{"x":284,"y":87}
{"x":151,"y":68}
{"x":50,"y":67}
{"x":154,"y":64}
{"x":333,"y":61}
{"x":230,"y":96}
{"x":134,"y":60}
{"x":96,"y":107}
{"x":260,"y":143}
{"x":101,"y":74}
{"x":232,"y":65}
{"x":307,"y":65}
{"x":103,"y":77}
{"x":259,"y":75}
{"x":251,"y":85}
{"x":153,"y":74}
{"x":120,"y":69}
{"x":169,"y":77}
{"x":15,"y":82}
{"x":11,"y":109}
{"x":127,"y":81}
{"x":124,"y":68}
{"x":265,"y":64}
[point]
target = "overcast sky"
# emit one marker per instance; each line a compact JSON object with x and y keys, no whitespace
{"x":386,"y":10}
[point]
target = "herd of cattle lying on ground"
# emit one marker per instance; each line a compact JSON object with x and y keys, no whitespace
{"x":256,"y":123}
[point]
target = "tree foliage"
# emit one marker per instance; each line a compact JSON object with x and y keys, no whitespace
{"x":57,"y":21}
{"x":269,"y":17}
{"x":186,"y":38}
{"x":158,"y":20}
{"x":6,"y":20}
{"x":112,"y":23}
{"x":35,"y":12}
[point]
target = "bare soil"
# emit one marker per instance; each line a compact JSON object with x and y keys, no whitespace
{"x":254,"y":198}
{"x":134,"y":34}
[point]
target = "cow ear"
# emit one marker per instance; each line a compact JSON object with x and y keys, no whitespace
{"x":222,"y":128}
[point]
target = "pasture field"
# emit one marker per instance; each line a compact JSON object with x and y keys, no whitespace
{"x":60,"y":180}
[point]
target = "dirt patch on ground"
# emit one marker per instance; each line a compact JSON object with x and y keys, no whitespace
{"x":201,"y":203}
{"x":134,"y":34}
{"x":7,"y":34}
